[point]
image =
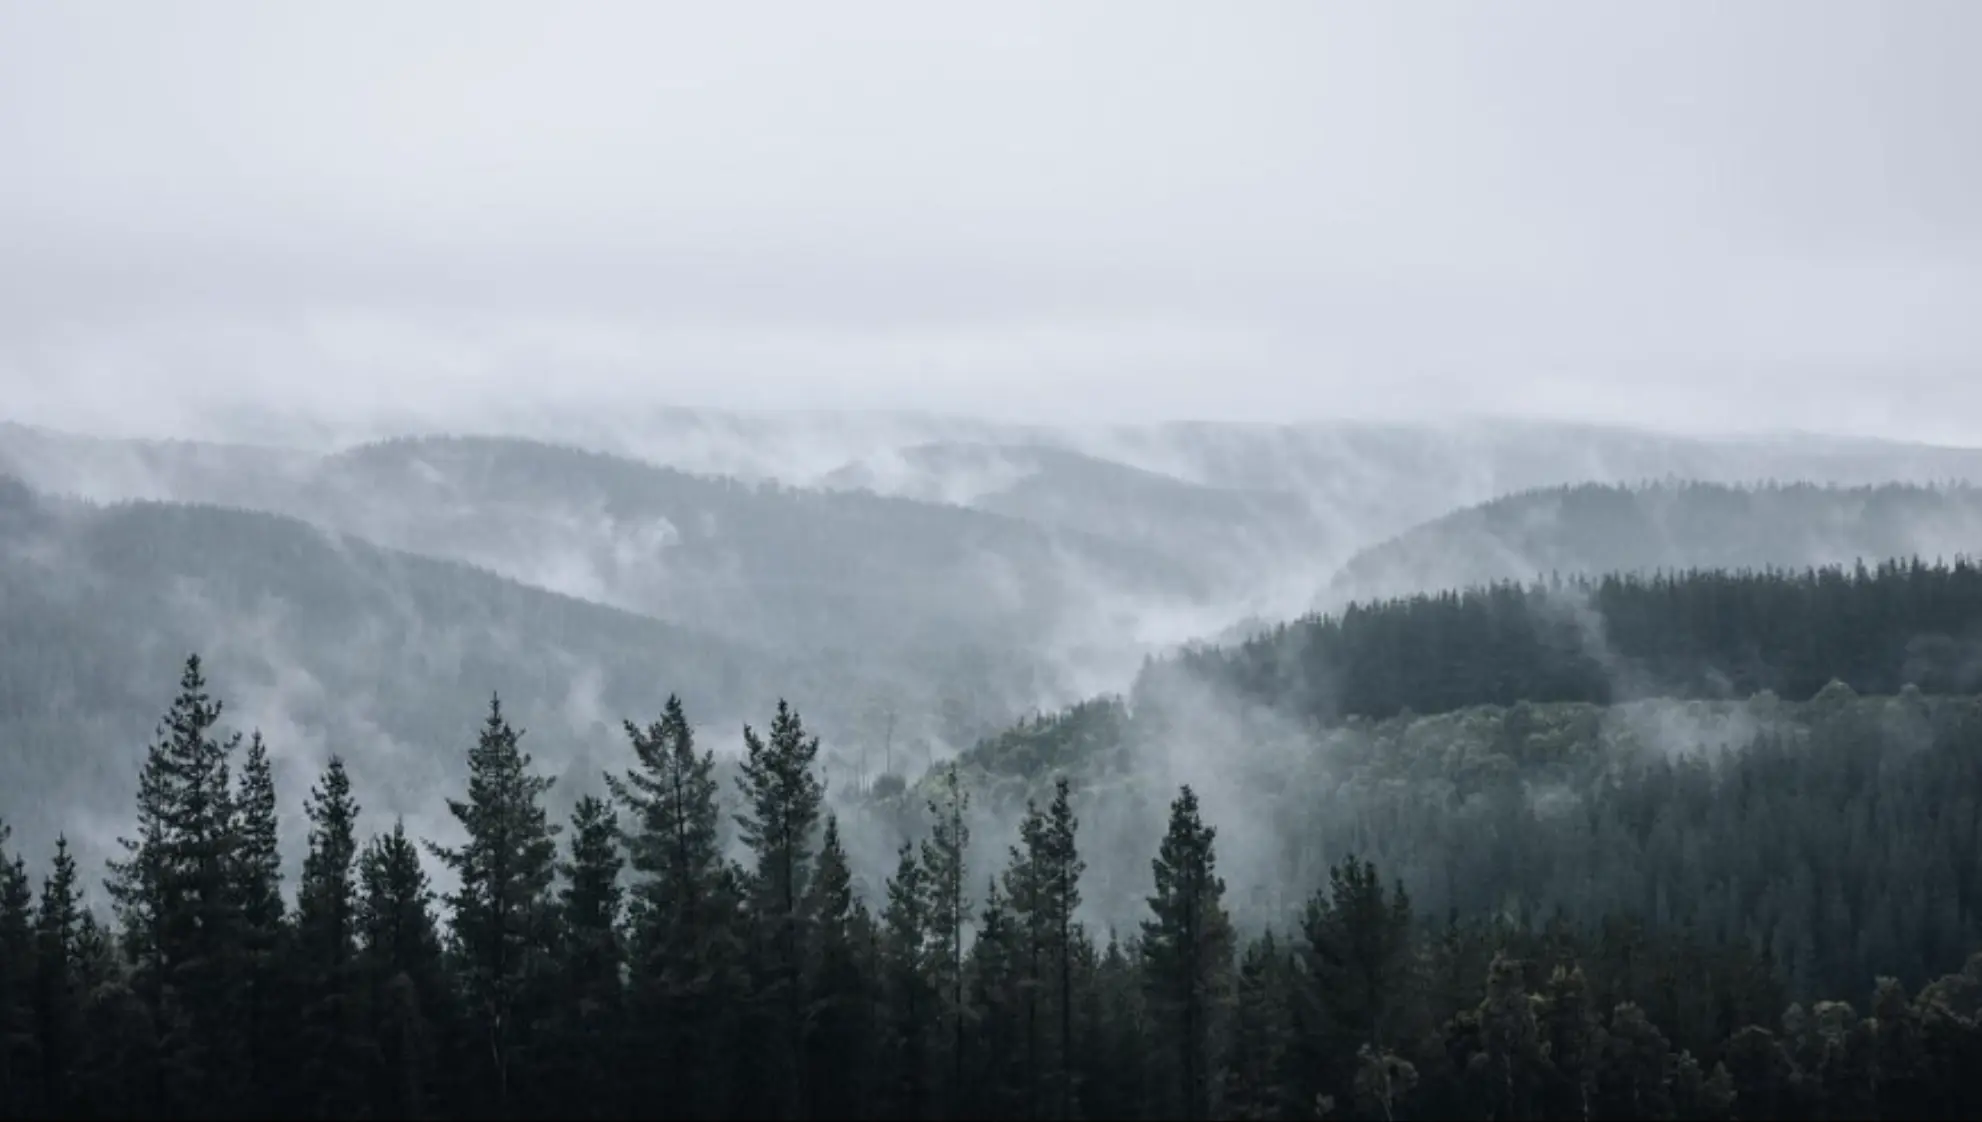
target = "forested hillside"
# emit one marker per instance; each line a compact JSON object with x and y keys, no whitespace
{"x":1591,"y":529}
{"x":1120,"y":539}
{"x":1840,"y":833}
{"x":1699,"y":843}
{"x":950,"y":606}
{"x":759,"y":559}
{"x":1694,"y":634}
{"x":322,"y":640}
{"x":617,"y":965}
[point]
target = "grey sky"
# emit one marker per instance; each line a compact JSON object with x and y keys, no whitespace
{"x":1750,"y":215}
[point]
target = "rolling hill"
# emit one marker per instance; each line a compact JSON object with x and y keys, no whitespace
{"x":327,"y":644}
{"x":1593,"y":528}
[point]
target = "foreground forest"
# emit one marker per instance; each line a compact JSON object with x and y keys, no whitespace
{"x":621,"y":964}
{"x":1691,"y":845}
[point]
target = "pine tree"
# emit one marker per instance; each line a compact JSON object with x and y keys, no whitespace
{"x":58,"y":1004}
{"x":335,"y":1038}
{"x":1357,"y":963}
{"x":944,"y":860}
{"x":1027,"y":886}
{"x":1698,"y":1096}
{"x":20,"y":1082}
{"x":1572,"y":1040}
{"x":406,"y":989}
{"x":174,"y":893}
{"x":115,"y":1070}
{"x":1260,"y":1032}
{"x":503,"y":906}
{"x":1632,"y":1074}
{"x":1187,"y":952}
{"x":837,"y":1000}
{"x":683,"y":904}
{"x":1060,"y":869}
{"x":910,"y":998}
{"x":783,"y":797}
{"x":258,"y":895}
{"x":591,"y":996}
{"x":1507,"y":1070}
{"x":1383,"y":1081}
{"x":1117,"y":1081}
{"x":999,"y":1085}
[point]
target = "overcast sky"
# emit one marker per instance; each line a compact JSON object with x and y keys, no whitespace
{"x":1697,"y":215}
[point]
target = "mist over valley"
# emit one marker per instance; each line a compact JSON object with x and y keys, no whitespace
{"x":1006,"y":561}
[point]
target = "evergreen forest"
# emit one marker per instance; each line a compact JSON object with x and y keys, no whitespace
{"x":1689,"y":846}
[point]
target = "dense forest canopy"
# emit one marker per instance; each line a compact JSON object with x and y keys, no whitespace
{"x":1680,"y":843}
{"x":686,"y":562}
{"x":616,"y":964}
{"x":1699,"y":633}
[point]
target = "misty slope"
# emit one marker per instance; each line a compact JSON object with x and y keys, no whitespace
{"x":326,"y":643}
{"x":1183,"y":488}
{"x":60,"y":463}
{"x":984,"y":613}
{"x":1708,"y":633}
{"x":1229,"y":534}
{"x":844,"y":570}
{"x":1736,"y":819}
{"x":1365,"y":480}
{"x":1460,"y":739}
{"x":1368,"y":474}
{"x":1593,"y":528}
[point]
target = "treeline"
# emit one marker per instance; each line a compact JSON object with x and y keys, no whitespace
{"x":1843,"y":834}
{"x":1674,"y":525}
{"x":621,"y":965}
{"x":1699,"y":633}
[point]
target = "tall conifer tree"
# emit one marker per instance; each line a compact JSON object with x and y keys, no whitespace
{"x":503,"y":907}
{"x":782,"y":800}
{"x":335,"y":1040}
{"x":1187,"y":952}
{"x":944,"y":864}
{"x":406,"y":989}
{"x":59,"y":981}
{"x":589,"y":1022}
{"x":175,"y":893}
{"x":258,"y":892}
{"x":682,"y":917}
{"x":20,"y":1082}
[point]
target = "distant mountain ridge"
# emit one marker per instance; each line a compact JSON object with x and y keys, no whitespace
{"x":327,"y":643}
{"x":1230,"y":534}
{"x":1594,"y":528}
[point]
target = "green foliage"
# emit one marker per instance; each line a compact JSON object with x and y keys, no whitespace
{"x":841,"y":990}
{"x":783,"y":796}
{"x":1705,"y":633}
{"x":265,"y":999}
{"x":945,"y":872}
{"x":503,"y":920}
{"x":909,"y":995}
{"x":1355,"y":975}
{"x":19,"y":1059}
{"x":588,"y":1027}
{"x":408,"y":990}
{"x":684,"y":930}
{"x":180,"y":906}
{"x":1187,"y":948}
{"x":1593,"y":528}
{"x":60,"y":972}
{"x":1652,"y":881}
{"x":334,"y":1042}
